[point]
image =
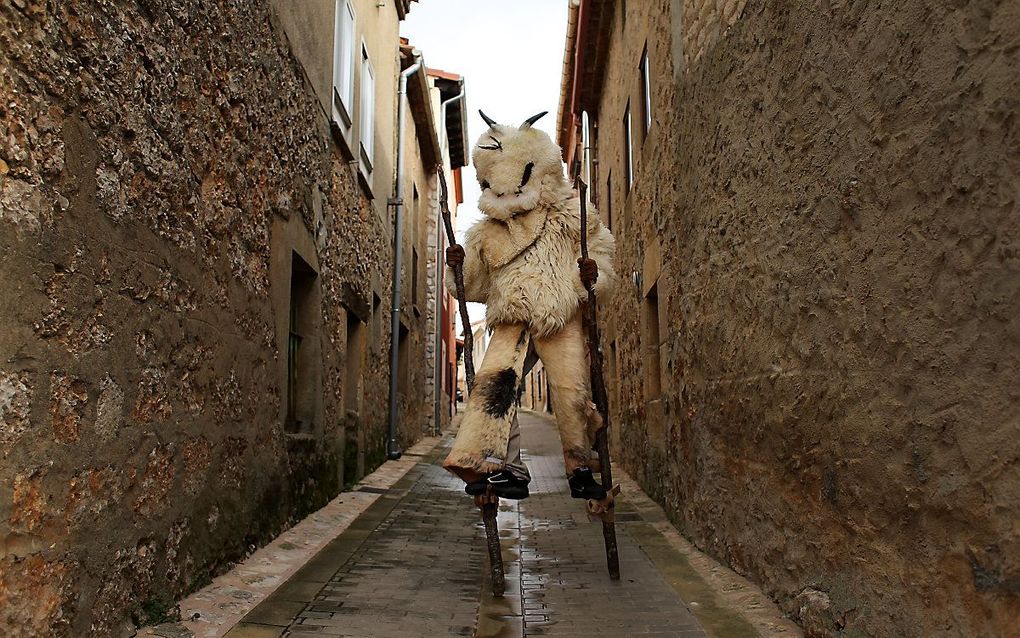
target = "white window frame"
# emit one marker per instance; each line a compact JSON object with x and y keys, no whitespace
{"x":586,"y":150}
{"x":646,"y":90}
{"x":344,"y":48}
{"x":628,"y":150}
{"x":608,"y":206}
{"x":366,"y":134}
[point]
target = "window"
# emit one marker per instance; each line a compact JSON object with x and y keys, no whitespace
{"x":646,"y":94}
{"x":367,"y":134}
{"x":403,"y":360}
{"x":593,"y":159}
{"x":628,"y":149}
{"x":586,"y":171}
{"x":343,"y":64}
{"x":608,"y":206}
{"x":355,"y":357}
{"x":614,"y":381}
{"x":415,"y":212}
{"x":652,"y":341}
{"x":376,"y":322}
{"x":441,"y":368}
{"x":414,"y":280}
{"x":300,"y":345}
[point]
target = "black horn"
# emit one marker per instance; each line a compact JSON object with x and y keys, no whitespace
{"x":488,"y":120}
{"x":531,"y":120}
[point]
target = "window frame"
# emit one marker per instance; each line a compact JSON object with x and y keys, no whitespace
{"x":628,"y":148}
{"x":344,"y":48}
{"x":586,"y":166}
{"x":653,"y":344}
{"x":304,"y":297}
{"x":354,"y":361}
{"x":646,"y":92}
{"x":608,"y":207}
{"x":366,"y":118}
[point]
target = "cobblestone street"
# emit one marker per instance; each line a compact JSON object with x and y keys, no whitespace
{"x":412,"y":563}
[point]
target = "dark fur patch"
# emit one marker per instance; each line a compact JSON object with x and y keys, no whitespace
{"x":499,"y":393}
{"x":522,"y":338}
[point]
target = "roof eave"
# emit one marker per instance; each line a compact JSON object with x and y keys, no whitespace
{"x":420,"y":102}
{"x":588,"y":30}
{"x":462,"y":132}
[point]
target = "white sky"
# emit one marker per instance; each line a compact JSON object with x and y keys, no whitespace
{"x":511,"y":57}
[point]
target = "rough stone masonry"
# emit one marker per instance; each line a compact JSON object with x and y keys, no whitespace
{"x":150,"y":153}
{"x":828,"y":201}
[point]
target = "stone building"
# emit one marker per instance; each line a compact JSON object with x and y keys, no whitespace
{"x":812,"y":360}
{"x":535,"y":390}
{"x":451,"y":107}
{"x":436,"y":124}
{"x":196,"y":256}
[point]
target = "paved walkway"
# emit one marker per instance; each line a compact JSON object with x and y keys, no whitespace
{"x":566,"y":591}
{"x":413,"y":564}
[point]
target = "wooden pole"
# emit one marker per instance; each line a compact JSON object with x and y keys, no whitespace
{"x":598,"y":391}
{"x":488,"y":503}
{"x":489,"y":508}
{"x":458,"y":280}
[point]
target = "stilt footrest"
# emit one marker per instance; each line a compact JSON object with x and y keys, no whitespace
{"x":603,"y":509}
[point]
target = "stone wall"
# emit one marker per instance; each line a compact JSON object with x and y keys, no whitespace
{"x":827,"y":204}
{"x":159,"y":163}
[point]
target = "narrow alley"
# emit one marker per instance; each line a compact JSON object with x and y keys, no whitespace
{"x":277,"y":278}
{"x":413,"y":564}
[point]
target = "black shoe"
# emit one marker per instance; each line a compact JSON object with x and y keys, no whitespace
{"x":583,"y":485}
{"x":503,"y":483}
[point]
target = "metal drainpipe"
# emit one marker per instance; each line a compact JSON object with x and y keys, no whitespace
{"x":392,"y":452}
{"x":440,"y":294}
{"x":440,"y":289}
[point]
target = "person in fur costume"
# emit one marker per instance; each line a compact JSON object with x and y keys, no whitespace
{"x":523,"y":261}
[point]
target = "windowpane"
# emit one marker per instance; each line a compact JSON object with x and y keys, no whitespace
{"x":367,"y":109}
{"x":301,"y":353}
{"x":608,"y":206}
{"x":628,"y":148}
{"x":652,"y":345}
{"x":354,"y":358}
{"x":343,"y":63}
{"x":646,"y":92}
{"x":586,"y":150}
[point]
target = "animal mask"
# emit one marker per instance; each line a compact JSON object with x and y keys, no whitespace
{"x":515,"y":165}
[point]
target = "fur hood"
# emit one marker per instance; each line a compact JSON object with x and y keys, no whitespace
{"x":521,"y":259}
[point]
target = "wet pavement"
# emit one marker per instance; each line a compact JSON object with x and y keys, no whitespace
{"x":414,"y":564}
{"x":566,"y":590}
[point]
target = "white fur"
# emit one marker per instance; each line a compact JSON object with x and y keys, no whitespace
{"x":521,"y":260}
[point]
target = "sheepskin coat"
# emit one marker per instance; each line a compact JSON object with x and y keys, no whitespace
{"x":521,"y":259}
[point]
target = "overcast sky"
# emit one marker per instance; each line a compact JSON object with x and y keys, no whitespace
{"x":511,"y":57}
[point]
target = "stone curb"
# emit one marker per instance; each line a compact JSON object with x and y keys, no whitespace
{"x":730,"y":590}
{"x":213,"y":610}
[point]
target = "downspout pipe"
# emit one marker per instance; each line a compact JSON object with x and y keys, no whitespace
{"x":440,"y":299}
{"x":440,"y":288}
{"x":442,"y":114}
{"x":392,"y":451}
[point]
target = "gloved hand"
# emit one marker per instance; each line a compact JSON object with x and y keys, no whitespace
{"x":589,"y":271}
{"x":455,"y":256}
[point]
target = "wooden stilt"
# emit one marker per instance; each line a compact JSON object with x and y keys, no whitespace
{"x":598,"y":390}
{"x":489,"y":503}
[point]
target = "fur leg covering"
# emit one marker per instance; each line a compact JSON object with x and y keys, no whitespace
{"x":565,"y":358}
{"x":481,"y":443}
